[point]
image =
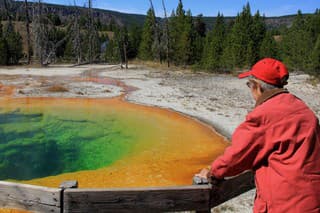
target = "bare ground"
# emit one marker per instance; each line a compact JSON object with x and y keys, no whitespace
{"x":220,"y":100}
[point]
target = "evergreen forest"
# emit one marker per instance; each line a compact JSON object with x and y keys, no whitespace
{"x":177,"y":39}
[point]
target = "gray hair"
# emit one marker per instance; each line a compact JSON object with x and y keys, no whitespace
{"x":265,"y":86}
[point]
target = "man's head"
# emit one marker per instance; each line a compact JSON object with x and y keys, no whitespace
{"x":266,"y":74}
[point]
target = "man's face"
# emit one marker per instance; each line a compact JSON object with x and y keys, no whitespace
{"x":255,"y":89}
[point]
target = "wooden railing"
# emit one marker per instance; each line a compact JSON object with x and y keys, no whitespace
{"x":68,"y":198}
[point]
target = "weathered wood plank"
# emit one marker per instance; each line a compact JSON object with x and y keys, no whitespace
{"x":137,"y":199}
{"x":231,"y":188}
{"x":29,"y":197}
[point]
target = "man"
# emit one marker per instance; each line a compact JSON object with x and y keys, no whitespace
{"x":279,"y":141}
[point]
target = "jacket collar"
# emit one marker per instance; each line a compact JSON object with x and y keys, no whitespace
{"x":269,"y":94}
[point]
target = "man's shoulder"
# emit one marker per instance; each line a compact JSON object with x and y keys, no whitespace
{"x":279,"y":107}
{"x":280,"y":103}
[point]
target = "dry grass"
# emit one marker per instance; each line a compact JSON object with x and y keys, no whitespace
{"x":277,"y":38}
{"x":57,"y":88}
{"x":159,"y":66}
{"x":314,"y":81}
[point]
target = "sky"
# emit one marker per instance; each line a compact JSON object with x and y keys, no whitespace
{"x":205,"y":7}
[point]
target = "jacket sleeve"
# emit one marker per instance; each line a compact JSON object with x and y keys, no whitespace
{"x":247,"y":150}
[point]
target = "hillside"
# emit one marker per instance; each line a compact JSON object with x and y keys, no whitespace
{"x":64,"y":12}
{"x":108,"y":16}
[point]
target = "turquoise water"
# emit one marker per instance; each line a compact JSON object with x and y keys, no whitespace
{"x":35,"y":143}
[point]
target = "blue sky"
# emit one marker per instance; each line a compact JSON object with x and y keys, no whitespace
{"x":205,"y":7}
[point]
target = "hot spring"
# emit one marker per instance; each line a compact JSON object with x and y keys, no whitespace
{"x":101,"y":143}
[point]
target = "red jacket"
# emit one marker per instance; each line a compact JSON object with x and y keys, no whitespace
{"x":280,"y":142}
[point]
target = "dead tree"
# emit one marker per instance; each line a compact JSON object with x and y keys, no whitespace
{"x":39,"y":32}
{"x":7,"y":10}
{"x":7,"y":5}
{"x":124,"y":40}
{"x":44,"y":49}
{"x":166,"y":38}
{"x":90,"y":28}
{"x":93,"y":36}
{"x":76,"y":35}
{"x":156,"y":36}
{"x":29,"y":50}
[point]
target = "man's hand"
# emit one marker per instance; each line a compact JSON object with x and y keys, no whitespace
{"x":203,"y":177}
{"x":204,"y":173}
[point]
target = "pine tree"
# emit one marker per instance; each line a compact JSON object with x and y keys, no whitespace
{"x":315,"y":66}
{"x":134,"y":41}
{"x":147,"y":38}
{"x":244,"y":40}
{"x":117,"y":47}
{"x":269,"y":47}
{"x":299,"y":21}
{"x":181,"y":35}
{"x":165,"y":40}
{"x":177,"y":27}
{"x":29,"y":48}
{"x":156,"y":45}
{"x":3,"y":48}
{"x":214,"y":46}
{"x":123,"y":43}
{"x":13,"y":43}
{"x":313,"y":25}
{"x":112,"y":54}
{"x":198,"y":38}
{"x":257,"y":34}
{"x":3,"y":51}
{"x":186,"y":40}
{"x":200,"y":26}
{"x":296,"y":45}
{"x":239,"y":42}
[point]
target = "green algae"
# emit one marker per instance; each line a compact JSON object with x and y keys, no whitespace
{"x":37,"y":143}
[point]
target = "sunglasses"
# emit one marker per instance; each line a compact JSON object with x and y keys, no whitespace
{"x":250,"y":83}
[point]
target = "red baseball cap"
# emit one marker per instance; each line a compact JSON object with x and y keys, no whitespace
{"x":270,"y":71}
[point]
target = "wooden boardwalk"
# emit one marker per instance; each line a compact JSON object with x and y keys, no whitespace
{"x":67,"y":198}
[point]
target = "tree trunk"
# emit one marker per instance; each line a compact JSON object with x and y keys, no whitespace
{"x":167,"y":33}
{"x":156,"y":35}
{"x":41,"y":32}
{"x":76,"y":36}
{"x":28,"y":32}
{"x":90,"y":31}
{"x":6,"y":7}
{"x":125,"y":54}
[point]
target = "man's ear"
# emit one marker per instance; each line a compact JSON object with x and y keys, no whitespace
{"x":259,"y":89}
{"x":257,"y":86}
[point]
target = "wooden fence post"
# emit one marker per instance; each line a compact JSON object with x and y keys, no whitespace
{"x":224,"y":190}
{"x":70,"y":184}
{"x":203,"y":181}
{"x":231,"y":187}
